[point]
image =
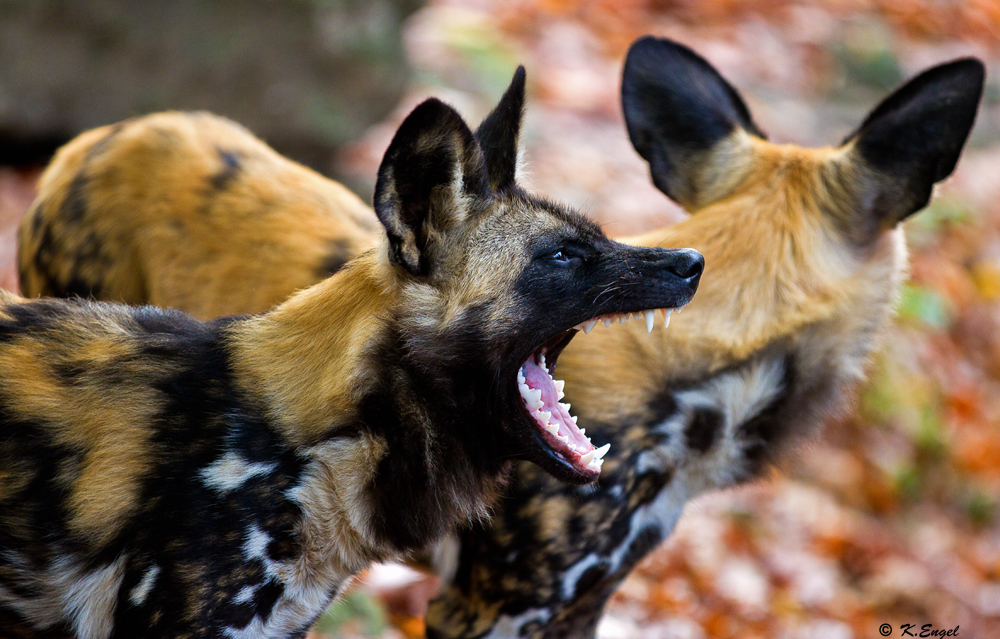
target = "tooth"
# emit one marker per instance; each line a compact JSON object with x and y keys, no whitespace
{"x":534,"y":397}
{"x":583,"y":431}
{"x":544,"y":416}
{"x":607,"y":321}
{"x":552,"y":428}
{"x":589,"y":326}
{"x":542,"y":364}
{"x":678,"y":309}
{"x":572,"y":447}
{"x":520,"y":376}
{"x":602,"y":451}
{"x":650,"y":318}
{"x":666,"y":318}
{"x":586,"y":459}
{"x":563,"y":438}
{"x":579,"y":327}
{"x":574,"y":418}
{"x":565,"y":405}
{"x":622,"y":318}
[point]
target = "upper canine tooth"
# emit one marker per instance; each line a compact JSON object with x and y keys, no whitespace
{"x":650,"y":318}
{"x":586,"y":459}
{"x":602,"y":451}
{"x":589,"y":326}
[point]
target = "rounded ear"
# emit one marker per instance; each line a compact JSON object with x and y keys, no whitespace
{"x":678,"y":109}
{"x":914,"y":137}
{"x":431,"y":168}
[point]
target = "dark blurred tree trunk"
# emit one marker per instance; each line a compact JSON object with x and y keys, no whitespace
{"x":306,"y":75}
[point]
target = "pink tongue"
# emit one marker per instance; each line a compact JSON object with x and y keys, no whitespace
{"x":537,"y":378}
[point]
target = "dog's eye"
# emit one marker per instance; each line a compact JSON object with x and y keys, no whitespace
{"x":562,"y":256}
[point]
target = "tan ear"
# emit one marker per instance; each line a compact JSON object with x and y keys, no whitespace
{"x":432,"y":168}
{"x":684,"y":119}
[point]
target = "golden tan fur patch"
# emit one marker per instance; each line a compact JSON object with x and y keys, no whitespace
{"x":176,"y":198}
{"x":791,"y":269}
{"x":102,"y":422}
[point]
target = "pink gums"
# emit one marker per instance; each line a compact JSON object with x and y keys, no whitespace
{"x":539,"y":379}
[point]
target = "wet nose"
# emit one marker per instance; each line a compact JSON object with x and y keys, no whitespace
{"x":687,"y":264}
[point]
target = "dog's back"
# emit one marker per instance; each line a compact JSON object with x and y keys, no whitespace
{"x":188,"y":211}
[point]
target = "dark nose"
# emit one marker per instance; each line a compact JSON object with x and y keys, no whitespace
{"x":687,"y":264}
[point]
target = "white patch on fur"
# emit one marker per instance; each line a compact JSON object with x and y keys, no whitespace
{"x":507,"y":626}
{"x":574,"y":572}
{"x":245,"y":594}
{"x":230,"y":471}
{"x":89,"y":600}
{"x":255,"y":544}
{"x":334,"y":532}
{"x":141,"y":591}
{"x":662,"y":513}
{"x":83,"y":599}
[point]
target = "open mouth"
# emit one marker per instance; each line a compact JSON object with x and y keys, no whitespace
{"x":541,"y":393}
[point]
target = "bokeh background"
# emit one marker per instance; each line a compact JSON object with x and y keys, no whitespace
{"x":890,"y":515}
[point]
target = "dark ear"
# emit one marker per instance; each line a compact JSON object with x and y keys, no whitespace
{"x":914,"y":137}
{"x":499,"y":132}
{"x":677,"y":109}
{"x":427,"y":176}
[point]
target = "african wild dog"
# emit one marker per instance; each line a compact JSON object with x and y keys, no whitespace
{"x":186,"y":211}
{"x":164,"y":477}
{"x":805,"y":256}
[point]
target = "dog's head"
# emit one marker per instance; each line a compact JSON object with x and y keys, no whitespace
{"x":496,"y":281}
{"x":817,"y":227}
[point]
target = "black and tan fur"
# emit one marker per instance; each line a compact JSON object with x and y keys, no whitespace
{"x":187,"y":211}
{"x":165,"y":477}
{"x":805,"y":256}
{"x":805,"y":259}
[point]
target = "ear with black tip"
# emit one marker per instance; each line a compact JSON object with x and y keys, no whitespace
{"x":914,"y":137}
{"x":431,"y":168}
{"x":678,"y":109}
{"x":498,"y":134}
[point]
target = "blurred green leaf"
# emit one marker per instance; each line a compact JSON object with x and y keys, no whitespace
{"x":930,"y":433}
{"x":908,"y":481}
{"x":355,"y":609}
{"x":980,"y":508}
{"x":924,"y":306}
{"x":943,"y":212}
